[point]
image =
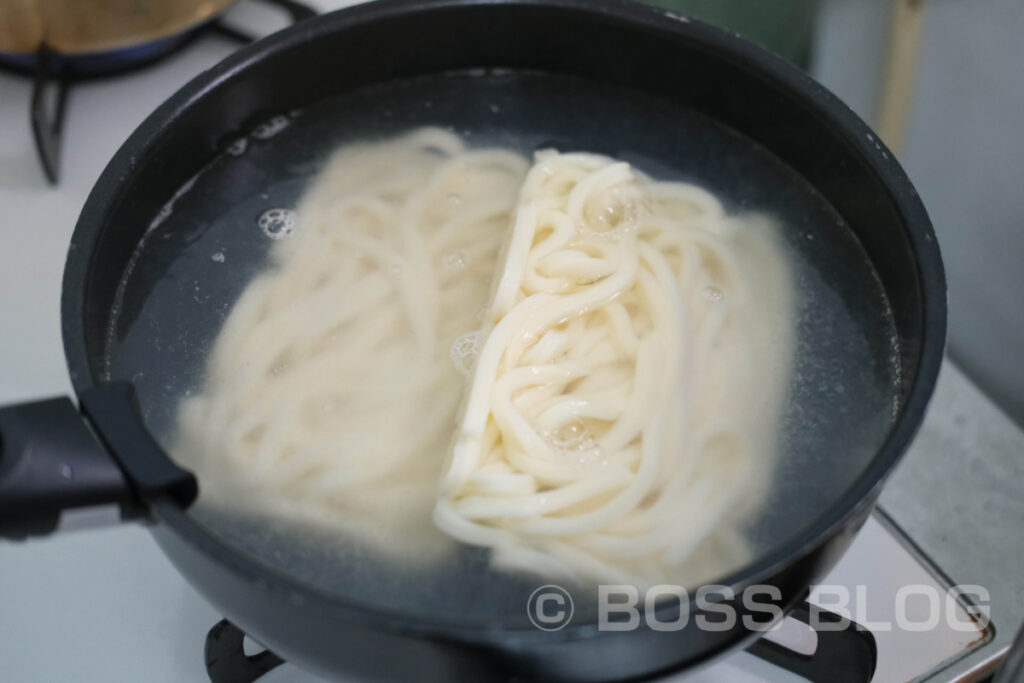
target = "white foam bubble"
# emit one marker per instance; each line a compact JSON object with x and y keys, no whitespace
{"x":277,"y":223}
{"x":270,"y":128}
{"x":616,"y":214}
{"x":575,"y":441}
{"x":238,"y":147}
{"x":712,"y":293}
{"x":464,"y":351}
{"x":454,"y":260}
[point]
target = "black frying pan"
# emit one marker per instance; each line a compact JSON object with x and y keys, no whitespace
{"x":609,"y":77}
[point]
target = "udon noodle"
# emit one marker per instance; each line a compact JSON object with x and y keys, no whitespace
{"x":329,"y":391}
{"x":617,"y":421}
{"x":619,"y":387}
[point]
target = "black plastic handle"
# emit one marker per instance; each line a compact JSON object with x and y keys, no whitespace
{"x":52,"y":460}
{"x":846,"y":655}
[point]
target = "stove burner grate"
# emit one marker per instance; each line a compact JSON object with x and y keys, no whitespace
{"x":53,"y":74}
{"x":844,"y":655}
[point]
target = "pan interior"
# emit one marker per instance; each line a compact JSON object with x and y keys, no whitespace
{"x":206,"y":244}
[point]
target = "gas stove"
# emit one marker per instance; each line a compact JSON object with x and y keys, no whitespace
{"x":105,"y":605}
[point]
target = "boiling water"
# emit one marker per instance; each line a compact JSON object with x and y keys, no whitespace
{"x":213,"y":236}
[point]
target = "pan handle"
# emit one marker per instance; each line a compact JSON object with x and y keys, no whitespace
{"x":55,"y":460}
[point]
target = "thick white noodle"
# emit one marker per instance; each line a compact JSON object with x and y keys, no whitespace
{"x":329,"y":392}
{"x":622,"y":414}
{"x":625,"y":370}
